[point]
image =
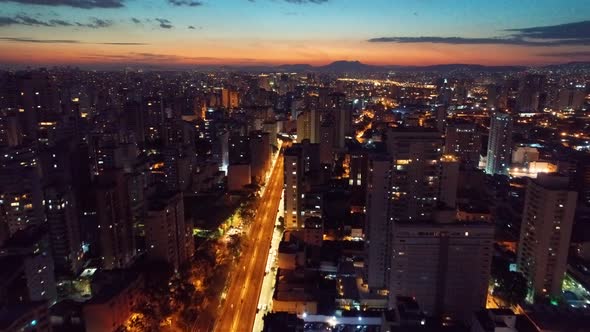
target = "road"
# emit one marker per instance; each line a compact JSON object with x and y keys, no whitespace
{"x":239,"y":310}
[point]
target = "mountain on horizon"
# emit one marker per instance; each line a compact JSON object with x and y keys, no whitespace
{"x":349,"y":66}
{"x":344,"y":66}
{"x":359,"y":67}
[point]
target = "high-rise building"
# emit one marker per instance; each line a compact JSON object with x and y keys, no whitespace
{"x":176,"y":131}
{"x":10,"y":130}
{"x":238,"y":177}
{"x":178,"y":165}
{"x":264,"y":82}
{"x":21,"y":193}
{"x":314,"y":126}
{"x":378,"y":224}
{"x":234,"y":99}
{"x":449,"y":181}
{"x":33,"y":249}
{"x":167,"y":235}
{"x":496,"y":97}
{"x":324,"y":98}
{"x":581,"y":178}
{"x":336,"y":113}
{"x":116,"y":240}
{"x":293,"y":168}
{"x":326,"y":143}
{"x":260,"y":155}
{"x":545,"y":233}
{"x":499,"y":144}
{"x":441,"y":118}
{"x":312,"y":204}
{"x":444,"y":266}
{"x":408,"y":185}
{"x":37,"y":102}
{"x":304,"y":126}
{"x":271,"y":127}
{"x":109,"y":151}
{"x":415,"y":179}
{"x":530,"y":90}
{"x":139,"y":187}
{"x":225,"y":97}
{"x":463,"y":140}
{"x":571,"y":98}
{"x":301,"y":163}
{"x":239,"y":150}
{"x":64,"y":229}
{"x":343,"y":122}
{"x":229,"y":98}
{"x":358,"y":171}
{"x":199,"y":107}
{"x":134,"y":120}
{"x":4,"y":234}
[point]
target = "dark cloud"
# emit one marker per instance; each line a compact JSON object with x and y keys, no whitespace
{"x":40,"y":41}
{"x":97,"y":23}
{"x":576,"y":30}
{"x":6,"y":21}
{"x":135,"y":20}
{"x":61,"y":41}
{"x":137,"y":57}
{"x":123,"y":44}
{"x":164,"y":23}
{"x":60,"y":23}
{"x":22,"y":19}
{"x":556,"y":35}
{"x":189,"y":3}
{"x":572,"y":54}
{"x":480,"y":41}
{"x":84,"y":4}
{"x":27,"y":20}
{"x":142,"y":57}
{"x":155,"y":56}
{"x":191,"y":27}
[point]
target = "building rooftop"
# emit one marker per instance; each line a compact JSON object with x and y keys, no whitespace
{"x":110,"y":283}
{"x":552,"y":181}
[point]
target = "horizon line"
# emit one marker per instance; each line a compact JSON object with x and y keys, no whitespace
{"x":156,"y":65}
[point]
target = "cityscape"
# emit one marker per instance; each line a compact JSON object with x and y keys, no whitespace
{"x":294,"y":165}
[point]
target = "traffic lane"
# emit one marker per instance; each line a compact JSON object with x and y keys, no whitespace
{"x":260,"y":261}
{"x":256,"y":265}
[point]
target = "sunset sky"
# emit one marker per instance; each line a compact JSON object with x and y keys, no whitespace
{"x":255,"y":32}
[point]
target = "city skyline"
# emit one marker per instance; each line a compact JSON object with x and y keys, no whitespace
{"x":184,"y":33}
{"x":294,"y":165}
